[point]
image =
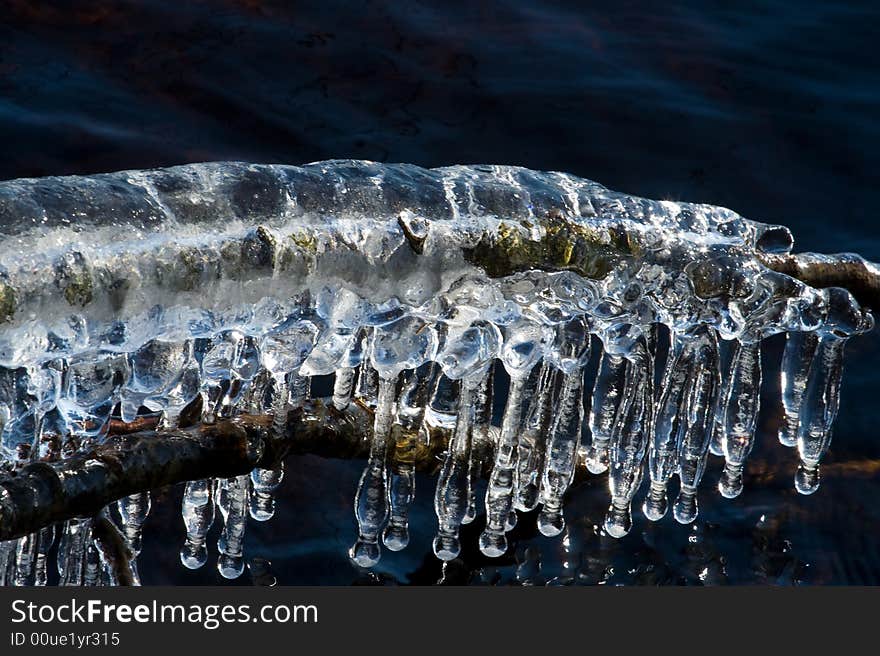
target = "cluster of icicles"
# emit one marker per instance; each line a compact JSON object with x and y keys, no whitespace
{"x":238,"y":284}
{"x":422,"y":380}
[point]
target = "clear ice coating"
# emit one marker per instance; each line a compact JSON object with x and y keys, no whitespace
{"x":236,"y":284}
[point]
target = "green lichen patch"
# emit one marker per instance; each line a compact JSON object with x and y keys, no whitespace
{"x":73,"y":276}
{"x":563,"y":246}
{"x":7,"y":302}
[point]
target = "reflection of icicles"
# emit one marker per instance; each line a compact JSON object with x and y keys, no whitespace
{"x":531,"y":445}
{"x":821,"y":401}
{"x":606,"y":400}
{"x":264,"y":482}
{"x":197,"y":511}
{"x":740,"y":415}
{"x":694,"y":446}
{"x":629,"y":439}
{"x":232,"y":501}
{"x":371,"y":500}
{"x":796,"y":359}
{"x":562,"y":447}
{"x":452,"y":493}
{"x":72,"y":551}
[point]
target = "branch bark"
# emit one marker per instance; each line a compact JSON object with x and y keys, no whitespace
{"x":42,"y":493}
{"x":848,"y":270}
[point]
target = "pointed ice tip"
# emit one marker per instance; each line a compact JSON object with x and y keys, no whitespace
{"x":550,"y":523}
{"x":596,"y":460}
{"x":194,"y":558}
{"x":364,"y":554}
{"x":806,"y":479}
{"x":618,"y":521}
{"x":396,"y":538}
{"x":493,"y":544}
{"x":261,"y":509}
{"x":447,"y":547}
{"x":731,"y":483}
{"x":230,"y":567}
{"x":685,"y":508}
{"x":656,"y":504}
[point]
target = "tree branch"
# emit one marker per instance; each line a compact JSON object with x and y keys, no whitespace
{"x":848,"y":270}
{"x":42,"y":493}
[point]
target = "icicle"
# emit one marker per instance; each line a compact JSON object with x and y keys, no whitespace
{"x":367,"y":384}
{"x":46,"y":540}
{"x":415,"y":394}
{"x":531,"y":446}
{"x":499,"y":496}
{"x":452,"y":493}
{"x":409,"y":436}
{"x":232,"y":502}
{"x":25,"y":560}
{"x":371,"y":500}
{"x":523,"y":347}
{"x":215,"y":374}
{"x":93,"y":567}
{"x":264,"y":482}
{"x":629,"y":438}
{"x":669,"y":424}
{"x":821,"y":400}
{"x":282,"y":352}
{"x":694,"y":446}
{"x":401,"y":487}
{"x":796,"y":359}
{"x":481,"y":442}
{"x":184,"y":390}
{"x":716,"y":422}
{"x":197,"y":511}
{"x":442,"y":408}
{"x":562,"y":448}
{"x":741,"y":406}
{"x":343,"y":384}
{"x":133,"y":511}
{"x":7,"y":561}
{"x":606,"y":400}
{"x":72,"y":551}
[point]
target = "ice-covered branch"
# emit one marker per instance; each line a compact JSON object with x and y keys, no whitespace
{"x":42,"y":493}
{"x":230,"y":287}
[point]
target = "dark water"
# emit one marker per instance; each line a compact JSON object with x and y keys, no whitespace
{"x":769,"y":108}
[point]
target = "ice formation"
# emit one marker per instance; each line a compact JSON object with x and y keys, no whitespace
{"x":139,"y":291}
